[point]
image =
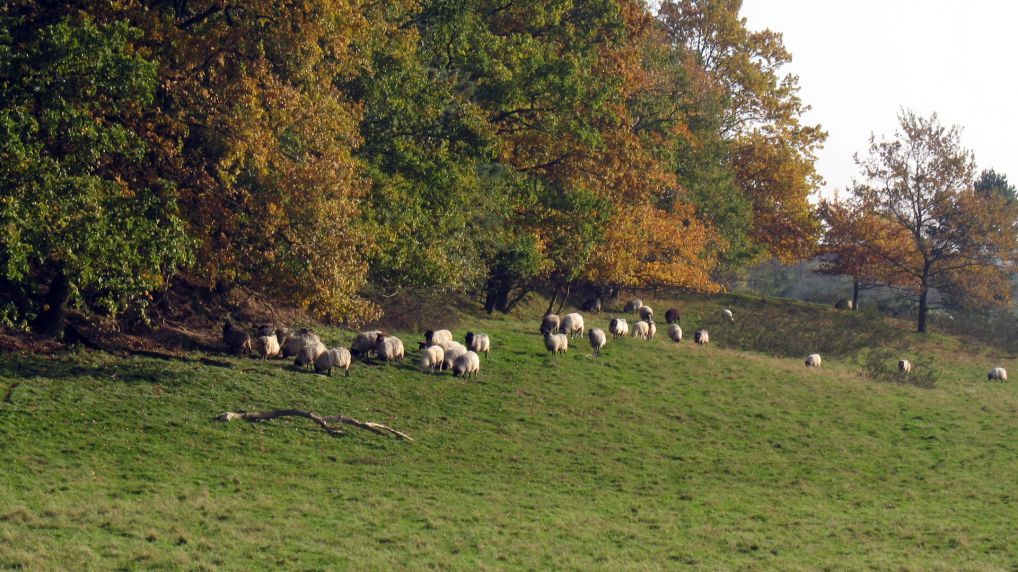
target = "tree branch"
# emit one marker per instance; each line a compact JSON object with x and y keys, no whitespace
{"x":322,"y":421}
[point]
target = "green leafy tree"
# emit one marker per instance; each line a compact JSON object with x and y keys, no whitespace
{"x":81,"y":214}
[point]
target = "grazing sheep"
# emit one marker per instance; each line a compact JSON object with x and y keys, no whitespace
{"x":281,"y":335}
{"x":701,"y":337}
{"x":672,"y":316}
{"x":308,"y":354}
{"x":267,"y":346}
{"x":453,"y":352}
{"x":597,"y":340}
{"x":728,"y":315}
{"x":998,"y":373}
{"x":651,"y":329}
{"x":436,"y":337}
{"x":264,"y":330}
{"x":844,"y":304}
{"x":675,"y":333}
{"x":633,"y":305}
{"x":646,"y":313}
{"x":572,"y":325}
{"x":550,"y":323}
{"x":297,"y":341}
{"x":904,"y":366}
{"x":237,"y":341}
{"x":592,"y":305}
{"x":618,"y":327}
{"x":479,"y":343}
{"x":432,"y":358}
{"x":556,"y":343}
{"x":813,"y":360}
{"x":467,"y":365}
{"x":446,"y":346}
{"x":334,"y":358}
{"x":389,"y":348}
{"x":364,"y":343}
{"x":641,"y":330}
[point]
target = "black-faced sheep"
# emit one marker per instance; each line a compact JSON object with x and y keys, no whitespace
{"x":550,"y":323}
{"x":308,"y":354}
{"x":335,"y":358}
{"x":432,"y":358}
{"x":675,"y":333}
{"x":297,"y":341}
{"x":843,"y":304}
{"x":478,"y":343}
{"x":556,"y":343}
{"x":572,"y":325}
{"x":237,"y":341}
{"x":672,"y":316}
{"x":267,"y":346}
{"x":432,"y":338}
{"x":701,"y":337}
{"x":467,"y":365}
{"x":364,"y":343}
{"x":813,"y":360}
{"x":904,"y":366}
{"x":633,"y":305}
{"x":641,"y":330}
{"x":389,"y":348}
{"x":646,"y":313}
{"x":592,"y":305}
{"x":727,"y":314}
{"x":618,"y":327}
{"x":997,"y":373}
{"x":597,"y":340}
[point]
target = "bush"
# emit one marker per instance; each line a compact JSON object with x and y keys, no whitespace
{"x":882,"y":365}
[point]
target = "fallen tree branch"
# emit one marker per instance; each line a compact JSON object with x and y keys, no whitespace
{"x":322,"y":421}
{"x":10,"y":392}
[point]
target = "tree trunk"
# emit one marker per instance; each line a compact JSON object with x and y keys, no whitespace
{"x":564,"y":298}
{"x":855,"y":295}
{"x":53,"y":319}
{"x":924,"y":308}
{"x":554,"y":296}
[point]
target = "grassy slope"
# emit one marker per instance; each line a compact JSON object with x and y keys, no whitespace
{"x":654,"y":456}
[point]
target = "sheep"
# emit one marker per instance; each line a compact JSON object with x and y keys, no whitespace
{"x":672,"y":316}
{"x":308,"y":354}
{"x":998,"y":373}
{"x":451,"y":354}
{"x":728,"y":314}
{"x":264,"y":330}
{"x":479,"y":343}
{"x":844,"y":304}
{"x":237,"y":341}
{"x":467,"y":365}
{"x":549,"y":323}
{"x":904,"y":366}
{"x":432,"y":358}
{"x":633,"y":305}
{"x":572,"y":325}
{"x":592,"y":305}
{"x":388,"y":348}
{"x":641,"y":330}
{"x":701,"y":337}
{"x":267,"y":346}
{"x":597,"y":340}
{"x":813,"y":360}
{"x":446,"y":346}
{"x":364,"y":343}
{"x":334,"y":358}
{"x":675,"y":333}
{"x":556,"y":343}
{"x":435,"y":337}
{"x":651,"y":329}
{"x":618,"y":327}
{"x":646,"y":313}
{"x":297,"y":341}
{"x":281,"y":335}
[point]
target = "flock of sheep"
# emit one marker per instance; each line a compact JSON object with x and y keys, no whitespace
{"x":440,"y":352}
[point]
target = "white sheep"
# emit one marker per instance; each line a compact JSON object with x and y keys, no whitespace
{"x":572,"y":325}
{"x":467,"y":365}
{"x":701,"y":337}
{"x":618,"y":327}
{"x":651,"y":329}
{"x":813,"y":360}
{"x":646,"y":313}
{"x":556,"y":343}
{"x":389,"y":348}
{"x":904,"y":366}
{"x":997,"y":373}
{"x":453,"y":352}
{"x":675,"y":333}
{"x":432,"y":358}
{"x":267,"y":346}
{"x":296,"y":341}
{"x":308,"y":354}
{"x":438,"y":336}
{"x":479,"y":343}
{"x":335,"y":358}
{"x":728,"y":315}
{"x":641,"y":330}
{"x":364,"y":343}
{"x":597,"y":340}
{"x":633,"y":305}
{"x":550,"y":323}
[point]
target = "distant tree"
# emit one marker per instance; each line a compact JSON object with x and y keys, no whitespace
{"x":992,"y":183}
{"x":959,"y":238}
{"x":83,"y":217}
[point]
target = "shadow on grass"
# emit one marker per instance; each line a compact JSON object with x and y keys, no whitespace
{"x":52,"y":367}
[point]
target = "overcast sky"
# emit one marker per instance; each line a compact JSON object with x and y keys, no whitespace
{"x":860,"y":61}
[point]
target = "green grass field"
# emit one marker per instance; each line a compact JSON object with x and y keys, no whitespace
{"x":655,"y":456}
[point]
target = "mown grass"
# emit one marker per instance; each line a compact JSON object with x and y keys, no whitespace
{"x":655,"y":456}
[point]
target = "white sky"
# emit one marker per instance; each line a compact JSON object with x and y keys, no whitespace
{"x":860,"y":61}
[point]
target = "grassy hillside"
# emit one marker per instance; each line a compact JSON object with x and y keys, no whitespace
{"x":655,"y":456}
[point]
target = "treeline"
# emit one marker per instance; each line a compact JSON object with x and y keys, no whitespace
{"x":321,"y":150}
